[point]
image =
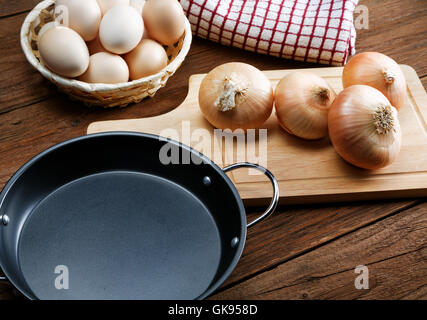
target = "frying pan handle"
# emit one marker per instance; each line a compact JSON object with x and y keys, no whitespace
{"x":274,"y":200}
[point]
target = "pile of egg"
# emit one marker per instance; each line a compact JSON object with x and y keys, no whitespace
{"x":110,"y":41}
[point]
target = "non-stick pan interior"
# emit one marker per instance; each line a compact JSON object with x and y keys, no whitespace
{"x":121,"y":235}
{"x":123,"y":224}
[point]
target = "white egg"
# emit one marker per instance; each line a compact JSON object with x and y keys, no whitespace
{"x":121,"y":29}
{"x":106,"y":5}
{"x":45,"y":27}
{"x":106,"y":67}
{"x":64,"y":52}
{"x":83,"y":16}
{"x":139,"y":6}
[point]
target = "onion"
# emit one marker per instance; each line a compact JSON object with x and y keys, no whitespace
{"x":379,"y":71}
{"x":302,"y":104}
{"x":364,"y":128}
{"x":236,"y":95}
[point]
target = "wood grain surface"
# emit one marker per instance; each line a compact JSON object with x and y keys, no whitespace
{"x":302,"y":252}
{"x":307,"y":171}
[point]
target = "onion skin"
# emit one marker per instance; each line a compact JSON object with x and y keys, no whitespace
{"x":378,"y":71}
{"x":364,"y":127}
{"x":302,"y":101}
{"x":251,"y":105}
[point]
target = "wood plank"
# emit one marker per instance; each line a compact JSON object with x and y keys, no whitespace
{"x":8,"y":8}
{"x":307,"y":171}
{"x":21,"y":86}
{"x":293,"y":230}
{"x":397,"y":28}
{"x":393,"y":249}
{"x":7,"y":292}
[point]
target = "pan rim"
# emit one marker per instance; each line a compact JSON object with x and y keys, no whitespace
{"x":242,"y":212}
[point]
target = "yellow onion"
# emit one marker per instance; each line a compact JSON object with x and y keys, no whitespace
{"x":364,"y":127}
{"x":302,"y":104}
{"x":236,"y":95}
{"x":379,"y":71}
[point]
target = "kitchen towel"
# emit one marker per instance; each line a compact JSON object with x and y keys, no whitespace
{"x":319,"y":31}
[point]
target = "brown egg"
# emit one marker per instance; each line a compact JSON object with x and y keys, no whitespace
{"x":164,"y":20}
{"x":146,"y":59}
{"x":106,"y":67}
{"x":95,"y":46}
{"x":64,"y":52}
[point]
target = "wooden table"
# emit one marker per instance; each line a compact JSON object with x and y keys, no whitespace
{"x":302,"y":252}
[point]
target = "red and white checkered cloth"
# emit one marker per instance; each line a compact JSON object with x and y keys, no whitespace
{"x":320,"y":31}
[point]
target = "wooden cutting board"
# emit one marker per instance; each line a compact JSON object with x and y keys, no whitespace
{"x":307,"y":171}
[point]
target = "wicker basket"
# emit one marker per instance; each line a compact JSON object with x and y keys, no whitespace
{"x":99,"y":94}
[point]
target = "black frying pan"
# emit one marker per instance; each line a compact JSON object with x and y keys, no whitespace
{"x":100,"y":217}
